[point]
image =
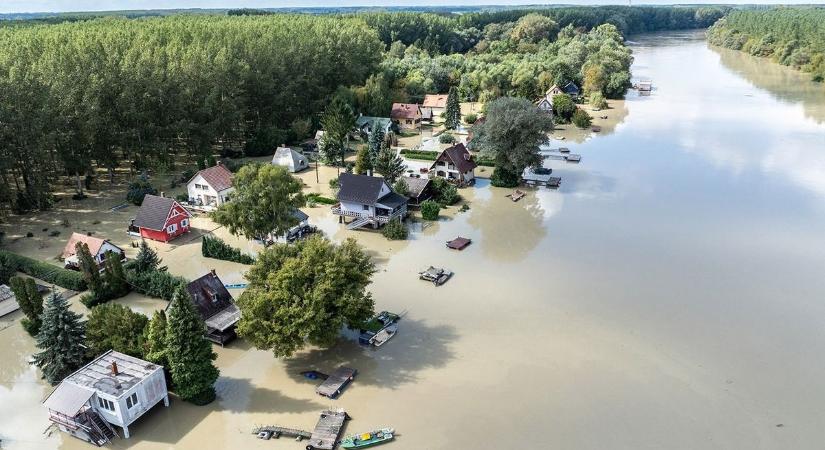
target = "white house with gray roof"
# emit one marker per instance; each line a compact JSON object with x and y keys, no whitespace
{"x":368,"y":201}
{"x":114,"y":389}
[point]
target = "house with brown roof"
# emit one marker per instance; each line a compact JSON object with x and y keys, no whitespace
{"x":455,"y":164}
{"x":418,"y":190}
{"x":406,"y":115}
{"x":435,"y":103}
{"x":210,"y":188}
{"x":97,"y":247}
{"x":216,"y":307}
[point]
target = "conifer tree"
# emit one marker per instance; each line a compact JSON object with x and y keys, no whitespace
{"x":376,"y":142}
{"x":61,"y":340}
{"x":190,"y":355}
{"x":147,"y":259}
{"x":116,"y":284}
{"x":452,"y":115}
{"x":155,"y":341}
{"x":30,"y":301}
{"x":90,"y":269}
{"x":389,"y":164}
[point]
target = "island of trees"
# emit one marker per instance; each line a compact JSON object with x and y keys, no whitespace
{"x":790,"y":36}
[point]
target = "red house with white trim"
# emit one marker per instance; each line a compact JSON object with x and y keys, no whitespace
{"x":161,"y":219}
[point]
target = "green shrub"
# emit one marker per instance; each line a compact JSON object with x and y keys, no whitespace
{"x":318,"y":198}
{"x":138,"y":189}
{"x":214,"y":247}
{"x":49,"y":273}
{"x":446,"y":138}
{"x":581,"y":119}
{"x":430,"y":210}
{"x":444,"y":192}
{"x":395,"y":230}
{"x":470,"y":118}
{"x":154,"y":283}
{"x":182,"y":197}
{"x":426,"y":155}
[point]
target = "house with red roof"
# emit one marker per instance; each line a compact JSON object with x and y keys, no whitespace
{"x":98,"y":247}
{"x":161,"y":219}
{"x":210,"y":188}
{"x":406,"y":115}
{"x":436,"y":103}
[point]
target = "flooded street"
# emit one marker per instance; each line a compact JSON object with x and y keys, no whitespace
{"x":670,"y":295}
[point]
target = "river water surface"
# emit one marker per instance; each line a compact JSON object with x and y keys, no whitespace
{"x":670,"y":295}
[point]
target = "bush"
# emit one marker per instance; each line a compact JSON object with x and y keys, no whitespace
{"x":446,"y":138}
{"x":49,"y":273}
{"x":425,"y":155}
{"x":318,"y":198}
{"x":401,"y":187}
{"x":581,"y":119}
{"x":214,"y":247}
{"x":470,"y":118}
{"x":430,"y":210}
{"x":182,"y":197}
{"x":138,"y":189}
{"x":444,"y":192}
{"x":395,"y":230}
{"x":597,"y":101}
{"x":504,"y":178}
{"x":154,"y":283}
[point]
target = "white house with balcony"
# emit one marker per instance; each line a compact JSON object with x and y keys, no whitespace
{"x":367,"y":201}
{"x":210,"y":188}
{"x":113,"y":390}
{"x":455,"y":164}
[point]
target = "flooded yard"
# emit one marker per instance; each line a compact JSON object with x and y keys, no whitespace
{"x":668,"y":295}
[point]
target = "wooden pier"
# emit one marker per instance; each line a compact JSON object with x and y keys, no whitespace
{"x":274,"y":431}
{"x":573,"y":158}
{"x":335,"y":383}
{"x":327,"y":430}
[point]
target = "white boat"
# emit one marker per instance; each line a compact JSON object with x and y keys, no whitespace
{"x":384,"y":335}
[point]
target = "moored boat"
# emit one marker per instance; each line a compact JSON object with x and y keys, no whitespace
{"x":370,"y":439}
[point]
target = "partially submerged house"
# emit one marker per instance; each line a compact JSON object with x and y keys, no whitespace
{"x":8,"y":301}
{"x":364,"y":124}
{"x":210,"y":188}
{"x":435,"y":103}
{"x":161,"y":219}
{"x":98,"y":247}
{"x":406,"y":115}
{"x":216,"y":307}
{"x":419,"y":190}
{"x":545,"y":104}
{"x":368,"y":201}
{"x":568,"y":88}
{"x":289,"y":158}
{"x":113,"y":390}
{"x":455,"y":164}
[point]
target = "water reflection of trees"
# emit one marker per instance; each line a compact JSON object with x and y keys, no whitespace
{"x":782,"y":82}
{"x":509,"y":231}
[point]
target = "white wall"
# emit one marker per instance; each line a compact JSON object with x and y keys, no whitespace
{"x":195,"y":193}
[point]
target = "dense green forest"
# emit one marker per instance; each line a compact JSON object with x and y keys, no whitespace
{"x":791,"y":36}
{"x":104,"y":93}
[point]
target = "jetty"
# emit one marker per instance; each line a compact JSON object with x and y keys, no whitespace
{"x":539,"y":176}
{"x":336,"y":382}
{"x":573,"y":158}
{"x":327,"y":430}
{"x":559,"y":154}
{"x":273,"y":431}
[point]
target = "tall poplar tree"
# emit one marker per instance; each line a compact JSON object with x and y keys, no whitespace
{"x":452,"y":115}
{"x":30,"y":301}
{"x":61,"y":340}
{"x":190,"y":355}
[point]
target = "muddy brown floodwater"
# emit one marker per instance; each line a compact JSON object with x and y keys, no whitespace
{"x":668,"y":296}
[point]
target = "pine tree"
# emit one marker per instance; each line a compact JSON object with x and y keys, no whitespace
{"x":376,"y":142}
{"x":30,"y":301}
{"x":116,"y":284}
{"x":7,"y":269}
{"x":90,"y":269}
{"x":147,"y":259}
{"x":155,"y":341}
{"x":452,"y":115}
{"x":61,"y":340}
{"x":389,"y":164}
{"x":362,"y":161}
{"x":190,"y":355}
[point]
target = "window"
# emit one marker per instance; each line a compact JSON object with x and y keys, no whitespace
{"x":408,"y":122}
{"x":106,"y":404}
{"x":132,"y":400}
{"x":172,"y":228}
{"x":184,"y":223}
{"x":366,"y":207}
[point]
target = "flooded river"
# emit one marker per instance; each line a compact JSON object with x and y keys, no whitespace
{"x":670,"y":295}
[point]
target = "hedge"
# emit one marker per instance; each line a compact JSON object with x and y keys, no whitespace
{"x":154,"y":283}
{"x":318,"y":198}
{"x":49,"y":273}
{"x":426,"y":155}
{"x":214,"y":247}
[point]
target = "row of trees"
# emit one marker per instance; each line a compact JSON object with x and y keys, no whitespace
{"x":791,"y":36}
{"x":108,"y":92}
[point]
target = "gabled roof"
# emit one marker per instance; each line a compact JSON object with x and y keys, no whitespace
{"x":570,"y":88}
{"x":383,"y":122}
{"x":361,"y":189}
{"x":392,"y":200}
{"x":405,"y":110}
{"x":154,"y":211}
{"x":297,"y":160}
{"x":459,"y":156}
{"x":218,"y":176}
{"x":416,"y":185}
{"x":8,"y":302}
{"x":300,"y":215}
{"x":209,"y":295}
{"x":435,"y":101}
{"x":94,"y":244}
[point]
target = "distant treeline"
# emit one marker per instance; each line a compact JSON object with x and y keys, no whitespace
{"x":791,"y":36}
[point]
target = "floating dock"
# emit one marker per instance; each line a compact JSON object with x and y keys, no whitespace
{"x":573,"y":158}
{"x":459,"y":243}
{"x":516,"y":195}
{"x":553,"y":182}
{"x":336,"y":382}
{"x":274,"y":431}
{"x":327,"y":430}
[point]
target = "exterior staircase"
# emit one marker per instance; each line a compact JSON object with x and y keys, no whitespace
{"x":359,"y":222}
{"x":101,"y":432}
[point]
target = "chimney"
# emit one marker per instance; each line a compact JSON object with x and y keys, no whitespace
{"x":114,"y":368}
{"x":212,"y":271}
{"x":162,"y":194}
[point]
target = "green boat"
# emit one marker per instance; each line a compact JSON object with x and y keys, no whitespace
{"x":365,"y":440}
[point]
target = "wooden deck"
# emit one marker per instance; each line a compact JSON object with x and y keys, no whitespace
{"x":337,"y":381}
{"x":459,"y":243}
{"x":327,"y":430}
{"x":274,"y":431}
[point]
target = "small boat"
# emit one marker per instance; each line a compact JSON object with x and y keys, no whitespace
{"x":384,"y":335}
{"x":436,"y":275}
{"x":370,"y":439}
{"x":516,"y":195}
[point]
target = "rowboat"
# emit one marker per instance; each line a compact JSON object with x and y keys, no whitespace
{"x":384,"y":335}
{"x":370,"y":439}
{"x":436,"y":275}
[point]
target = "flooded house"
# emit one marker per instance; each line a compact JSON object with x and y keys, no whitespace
{"x":368,"y":201}
{"x":216,"y":307}
{"x":161,"y":219}
{"x":98,"y":247}
{"x":290,"y":159}
{"x":568,"y":88}
{"x":8,"y":301}
{"x":455,"y":164}
{"x":419,"y":190}
{"x":435,"y":103}
{"x":211,"y":187}
{"x":406,"y":115}
{"x":114,"y":390}
{"x":365,"y":124}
